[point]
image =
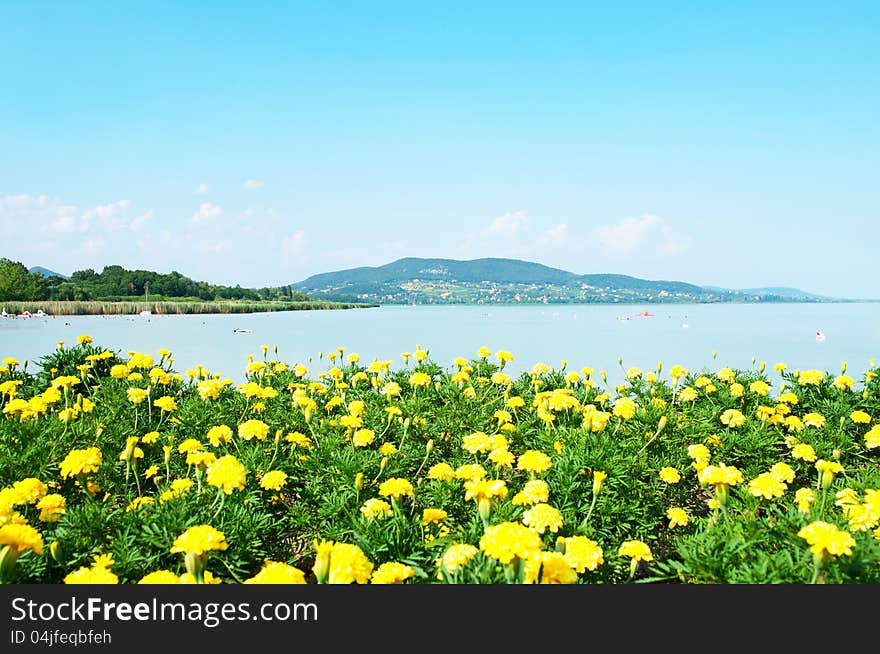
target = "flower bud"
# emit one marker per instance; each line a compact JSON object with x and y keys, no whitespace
{"x":359,"y":480}
{"x":429,"y":447}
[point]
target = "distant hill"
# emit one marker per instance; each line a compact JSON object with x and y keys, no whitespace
{"x":774,"y":291}
{"x":496,"y":281}
{"x":45,"y":272}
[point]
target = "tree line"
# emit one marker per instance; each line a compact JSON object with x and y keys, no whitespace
{"x":118,"y":283}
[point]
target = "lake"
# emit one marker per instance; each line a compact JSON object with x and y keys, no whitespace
{"x":584,"y":335}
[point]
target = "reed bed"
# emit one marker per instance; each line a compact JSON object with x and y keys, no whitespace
{"x":92,"y":307}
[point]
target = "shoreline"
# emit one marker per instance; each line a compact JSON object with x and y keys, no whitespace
{"x":32,"y":309}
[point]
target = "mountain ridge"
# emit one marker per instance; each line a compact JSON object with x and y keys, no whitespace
{"x":500,"y":280}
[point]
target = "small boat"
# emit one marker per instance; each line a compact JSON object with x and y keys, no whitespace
{"x":820,"y":336}
{"x":239,"y":330}
{"x":684,"y":325}
{"x":145,"y":312}
{"x":644,"y":314}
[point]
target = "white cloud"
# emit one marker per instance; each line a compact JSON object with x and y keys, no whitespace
{"x":201,"y":188}
{"x":139,"y":221}
{"x":553,"y":237}
{"x":634,"y":234}
{"x":206,"y":211}
{"x":509,"y":224}
{"x":252,"y":184}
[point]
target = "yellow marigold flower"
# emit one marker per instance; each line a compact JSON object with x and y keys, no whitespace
{"x":392,"y":573}
{"x":395,"y":487}
{"x":199,"y":540}
{"x":670,"y":475}
{"x":811,"y":377}
{"x":136,"y":395}
{"x":165,"y":403}
{"x":721,"y":475}
{"x":29,"y":490}
{"x":599,"y":478}
{"x":509,"y":540}
{"x":363,"y":437}
{"x":502,"y":457}
{"x":227,"y":474}
{"x":581,"y":552}
{"x":733,"y":418}
{"x":21,"y":537}
{"x":51,"y":507}
{"x":253,"y":429}
{"x":760,"y":387}
{"x":387,"y":449}
{"x":860,"y":417}
{"x":299,"y":439}
{"x":160,"y":577}
{"x":515,"y":402}
{"x":635,"y":550}
{"x":804,"y":452}
{"x":341,"y":563}
{"x":504,"y":356}
{"x":826,"y":539}
{"x":476,"y":442}
{"x":433,"y":516}
{"x":65,"y":381}
{"x":418,"y":379}
{"x":624,"y":407}
{"x":376,"y":508}
{"x":726,"y":375}
{"x":442,"y":471}
{"x":549,"y":568}
{"x":678,"y":517}
{"x":687,"y":394}
{"x":767,"y":485}
{"x":470,"y":471}
{"x":698,"y":451}
{"x":275,"y":572}
{"x":542,"y":517}
{"x":479,"y":489}
{"x":455,"y":556}
{"x":844,"y":382}
{"x":534,"y":462}
{"x":219,"y":434}
{"x":535,"y":491}
{"x":91,"y":575}
{"x":814,"y":419}
{"x":273,"y":480}
{"x":634,"y":373}
{"x":79,"y":462}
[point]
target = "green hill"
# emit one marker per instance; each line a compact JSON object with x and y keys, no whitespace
{"x":494,"y":280}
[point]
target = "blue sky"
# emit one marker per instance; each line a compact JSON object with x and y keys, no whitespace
{"x":259,"y":143}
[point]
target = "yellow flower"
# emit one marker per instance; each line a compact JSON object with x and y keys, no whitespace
{"x":418,"y":379}
{"x":599,"y":478}
{"x":217,"y":435}
{"x":844,"y":382}
{"x":636,"y":550}
{"x":767,"y":485}
{"x":253,"y":429}
{"x":872,"y":437}
{"x":430,"y":516}
{"x":804,"y":498}
{"x":670,"y":475}
{"x":509,"y":540}
{"x":581,"y":552}
{"x":275,"y":572}
{"x":91,"y":575}
{"x":484,"y":352}
{"x":733,"y":418}
{"x":79,"y":462}
{"x":20,"y":538}
{"x":341,"y":563}
{"x":860,"y":417}
{"x":678,"y":517}
{"x":480,"y":489}
{"x":542,"y":517}
{"x":442,"y":471}
{"x":827,"y":470}
{"x":392,"y":573}
{"x":136,"y":395}
{"x":455,"y":556}
{"x":534,"y":491}
{"x":227,"y":474}
{"x":811,"y":377}
{"x":165,"y":403}
{"x":160,"y":577}
{"x":363,"y":437}
{"x":51,"y":507}
{"x":376,"y":508}
{"x":534,"y":462}
{"x":199,"y":540}
{"x":624,"y":407}
{"x":549,"y":568}
{"x":470,"y":471}
{"x":760,"y":387}
{"x":395,"y":487}
{"x":687,"y":394}
{"x":826,"y":539}
{"x":273,"y":480}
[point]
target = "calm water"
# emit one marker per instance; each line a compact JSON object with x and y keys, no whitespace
{"x":585,"y":335}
